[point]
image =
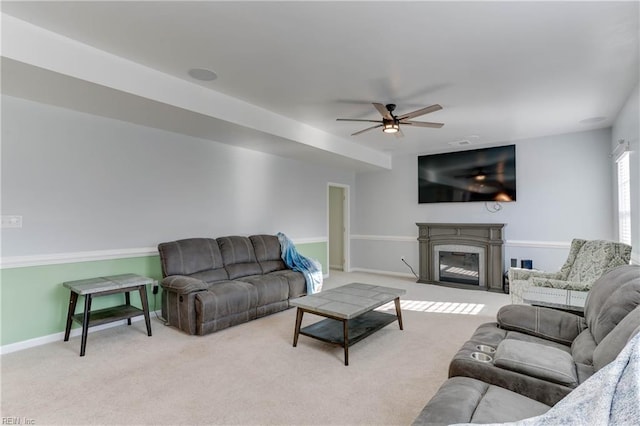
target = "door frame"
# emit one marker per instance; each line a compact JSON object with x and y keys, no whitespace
{"x":346,"y":249}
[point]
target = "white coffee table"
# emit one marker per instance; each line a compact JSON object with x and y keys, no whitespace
{"x":350,"y":313}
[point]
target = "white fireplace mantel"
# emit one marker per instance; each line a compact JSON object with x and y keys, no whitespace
{"x":476,"y":237}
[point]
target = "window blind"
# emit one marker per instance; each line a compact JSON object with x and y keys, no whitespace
{"x":624,"y":198}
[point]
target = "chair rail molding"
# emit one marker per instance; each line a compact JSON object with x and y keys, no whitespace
{"x":507,"y":243}
{"x":93,"y":255}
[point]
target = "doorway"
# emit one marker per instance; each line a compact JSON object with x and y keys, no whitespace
{"x":338,"y":226}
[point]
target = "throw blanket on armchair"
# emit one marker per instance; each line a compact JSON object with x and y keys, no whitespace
{"x":310,"y":268}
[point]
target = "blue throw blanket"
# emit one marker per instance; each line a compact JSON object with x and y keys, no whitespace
{"x":609,"y":397}
{"x":310,"y":268}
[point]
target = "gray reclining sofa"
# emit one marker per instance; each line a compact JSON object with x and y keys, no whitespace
{"x":211,"y":284}
{"x":540,"y":355}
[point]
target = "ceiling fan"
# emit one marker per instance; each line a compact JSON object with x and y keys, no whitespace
{"x":390,"y":123}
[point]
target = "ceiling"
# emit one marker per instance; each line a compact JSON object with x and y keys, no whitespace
{"x":502,"y":71}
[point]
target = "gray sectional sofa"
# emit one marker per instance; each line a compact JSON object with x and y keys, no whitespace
{"x":211,"y":284}
{"x":540,"y":356}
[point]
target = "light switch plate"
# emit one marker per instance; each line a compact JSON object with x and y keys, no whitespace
{"x":11,"y":221}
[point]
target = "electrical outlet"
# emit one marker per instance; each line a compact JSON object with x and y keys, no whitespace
{"x":155,"y":287}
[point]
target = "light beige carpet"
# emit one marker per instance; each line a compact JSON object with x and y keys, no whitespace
{"x":250,"y":374}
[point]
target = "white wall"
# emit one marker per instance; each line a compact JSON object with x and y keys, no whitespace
{"x":627,"y":127}
{"x":84,"y":183}
{"x":563,"y":192}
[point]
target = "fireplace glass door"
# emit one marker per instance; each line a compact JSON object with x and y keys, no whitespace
{"x":459,"y":267}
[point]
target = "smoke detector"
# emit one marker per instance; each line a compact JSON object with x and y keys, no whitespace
{"x":463,"y":142}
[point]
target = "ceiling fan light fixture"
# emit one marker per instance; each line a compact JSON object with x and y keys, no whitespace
{"x":391,"y":128}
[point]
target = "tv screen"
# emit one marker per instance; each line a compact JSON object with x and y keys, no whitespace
{"x":487,"y":174}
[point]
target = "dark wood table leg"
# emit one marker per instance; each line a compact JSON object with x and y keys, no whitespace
{"x":145,"y":308}
{"x":73,"y":299}
{"x":127,"y":300}
{"x":85,"y":323}
{"x":398,"y":312}
{"x":345,"y":331}
{"x":296,"y":332}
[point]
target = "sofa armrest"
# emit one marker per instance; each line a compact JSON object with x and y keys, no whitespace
{"x":565,"y":285}
{"x":551,"y":324}
{"x":183,"y":284}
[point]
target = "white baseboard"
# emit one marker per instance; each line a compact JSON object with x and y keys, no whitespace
{"x":56,"y":337}
{"x":378,"y":272}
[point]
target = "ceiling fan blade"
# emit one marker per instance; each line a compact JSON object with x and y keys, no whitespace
{"x":366,"y":130}
{"x":357,"y":119}
{"x":421,"y":111}
{"x":423,"y":124}
{"x":384,"y":112}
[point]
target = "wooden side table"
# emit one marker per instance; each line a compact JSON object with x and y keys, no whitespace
{"x":104,"y":286}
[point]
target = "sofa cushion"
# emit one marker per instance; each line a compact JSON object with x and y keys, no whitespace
{"x":297,"y":284}
{"x":582,"y":348}
{"x":190,"y":256}
{"x":550,"y":324}
{"x":270,"y":288}
{"x":238,"y":256}
{"x":523,"y":337}
{"x":225,"y":298}
{"x":611,"y":345}
{"x":463,"y":364}
{"x":465,"y":400}
{"x":536,"y":360}
{"x":268,"y":252}
{"x":617,"y":294}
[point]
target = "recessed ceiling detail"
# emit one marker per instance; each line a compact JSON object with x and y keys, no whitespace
{"x":510,"y":78}
{"x":202,"y":74}
{"x":593,"y":120}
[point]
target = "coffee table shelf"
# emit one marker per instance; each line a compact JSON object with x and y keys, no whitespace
{"x":331,"y":330}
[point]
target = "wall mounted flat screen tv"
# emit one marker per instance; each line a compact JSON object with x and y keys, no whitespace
{"x":487,"y":174}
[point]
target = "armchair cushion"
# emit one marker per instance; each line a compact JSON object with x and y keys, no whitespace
{"x":525,"y":274}
{"x":536,"y":360}
{"x":597,"y":256}
{"x":566,"y":285}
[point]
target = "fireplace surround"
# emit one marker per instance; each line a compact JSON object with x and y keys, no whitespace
{"x":483,"y":239}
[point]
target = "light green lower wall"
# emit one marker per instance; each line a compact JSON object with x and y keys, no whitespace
{"x":34,"y":302}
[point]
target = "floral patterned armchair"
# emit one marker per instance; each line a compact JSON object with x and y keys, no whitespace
{"x":587,"y":261}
